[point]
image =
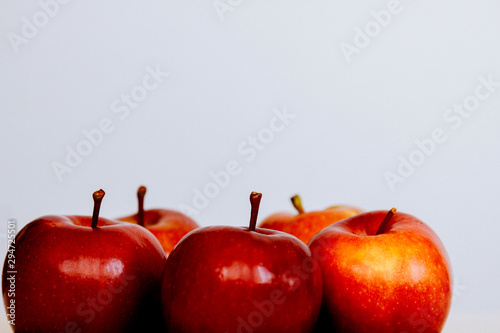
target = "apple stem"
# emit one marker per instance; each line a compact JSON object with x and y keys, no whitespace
{"x":141,"y":192}
{"x":386,"y":220}
{"x":255,"y":202}
{"x":297,"y":203}
{"x":97,"y":196}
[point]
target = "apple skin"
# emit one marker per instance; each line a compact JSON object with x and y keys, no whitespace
{"x":306,"y":225}
{"x":216,"y":275}
{"x":74,"y":278}
{"x":397,"y":281}
{"x":168,"y":226}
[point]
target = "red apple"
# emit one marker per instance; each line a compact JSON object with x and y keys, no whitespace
{"x":84,"y":274}
{"x":385,"y":275}
{"x":168,"y":226}
{"x":305,"y":225}
{"x":228,"y":279}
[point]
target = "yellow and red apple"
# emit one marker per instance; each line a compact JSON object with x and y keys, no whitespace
{"x":383,"y":273}
{"x":305,"y":225}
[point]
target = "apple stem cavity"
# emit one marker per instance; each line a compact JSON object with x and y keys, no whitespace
{"x":386,"y":221}
{"x":141,"y":193}
{"x":297,"y":203}
{"x":255,"y":202}
{"x":97,"y":196}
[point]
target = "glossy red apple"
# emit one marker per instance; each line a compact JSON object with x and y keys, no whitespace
{"x":84,"y":274}
{"x":228,"y":279}
{"x":383,"y":272}
{"x":305,"y":225}
{"x":168,"y":226}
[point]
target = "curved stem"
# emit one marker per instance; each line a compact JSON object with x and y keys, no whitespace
{"x":141,"y":192}
{"x":386,"y":220}
{"x":97,"y":196}
{"x":255,"y":202}
{"x":297,"y":203}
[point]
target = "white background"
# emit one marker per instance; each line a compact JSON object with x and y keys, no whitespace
{"x":353,"y":120}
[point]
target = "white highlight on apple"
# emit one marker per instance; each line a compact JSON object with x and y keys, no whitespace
{"x":265,"y":308}
{"x":81,"y":266}
{"x":454,"y":117}
{"x":39,"y":20}
{"x":363,"y":37}
{"x":249,"y":149}
{"x":121,"y":106}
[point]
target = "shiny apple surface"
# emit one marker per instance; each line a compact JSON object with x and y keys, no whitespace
{"x":397,"y":281}
{"x":225,"y":279}
{"x":74,"y":278}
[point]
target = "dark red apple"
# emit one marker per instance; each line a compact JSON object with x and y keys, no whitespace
{"x":383,"y":272}
{"x":305,"y":225}
{"x":228,"y":279}
{"x":84,"y":274}
{"x":168,"y":226}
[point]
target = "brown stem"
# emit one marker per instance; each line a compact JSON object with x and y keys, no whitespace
{"x":141,"y":192}
{"x":386,"y":220}
{"x":297,"y":203}
{"x":255,"y":202}
{"x":97,"y":196}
